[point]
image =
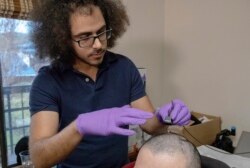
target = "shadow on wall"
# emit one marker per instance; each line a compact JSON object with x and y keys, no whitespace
{"x":148,"y":54}
{"x":171,"y":61}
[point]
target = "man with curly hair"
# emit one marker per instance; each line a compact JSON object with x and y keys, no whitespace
{"x":83,"y":103}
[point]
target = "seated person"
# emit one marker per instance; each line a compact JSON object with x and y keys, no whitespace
{"x":168,"y":151}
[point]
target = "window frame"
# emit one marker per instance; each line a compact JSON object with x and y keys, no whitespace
{"x":3,"y":142}
{"x":8,"y":156}
{"x":16,"y":9}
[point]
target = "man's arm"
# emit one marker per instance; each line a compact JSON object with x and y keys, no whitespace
{"x":152,"y":125}
{"x":47,"y":146}
{"x":176,"y":110}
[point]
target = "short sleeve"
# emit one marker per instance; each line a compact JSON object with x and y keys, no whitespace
{"x":138,"y":88}
{"x":43,"y":93}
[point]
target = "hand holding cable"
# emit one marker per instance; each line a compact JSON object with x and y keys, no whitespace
{"x":110,"y":121}
{"x":176,"y":111}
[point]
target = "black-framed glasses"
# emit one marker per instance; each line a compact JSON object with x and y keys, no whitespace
{"x":89,"y":41}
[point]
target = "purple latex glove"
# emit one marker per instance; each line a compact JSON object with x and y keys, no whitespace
{"x":109,"y":121}
{"x":177,"y":111}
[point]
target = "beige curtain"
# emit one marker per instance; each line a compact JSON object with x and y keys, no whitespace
{"x":18,"y":9}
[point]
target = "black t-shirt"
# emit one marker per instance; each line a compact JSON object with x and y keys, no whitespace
{"x":63,"y":90}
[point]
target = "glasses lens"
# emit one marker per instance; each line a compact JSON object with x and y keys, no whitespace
{"x":104,"y":35}
{"x":88,"y":42}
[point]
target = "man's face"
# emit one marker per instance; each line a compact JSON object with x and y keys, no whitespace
{"x":84,"y":25}
{"x":146,"y":159}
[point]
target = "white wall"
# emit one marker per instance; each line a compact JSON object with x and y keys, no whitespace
{"x":144,"y":42}
{"x":196,"y":50}
{"x":207,"y":57}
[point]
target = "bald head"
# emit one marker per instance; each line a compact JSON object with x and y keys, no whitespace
{"x":168,"y":150}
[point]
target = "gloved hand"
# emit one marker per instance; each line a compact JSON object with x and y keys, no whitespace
{"x":176,"y":110}
{"x":108,"y":121}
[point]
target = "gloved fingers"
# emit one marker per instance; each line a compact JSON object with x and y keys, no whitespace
{"x":183,"y":114}
{"x":186,"y":120}
{"x":175,"y":112}
{"x":122,"y":131}
{"x":178,"y":101}
{"x":136,"y":113}
{"x":130,"y":121}
{"x":165,"y":110}
{"x":184,"y":123}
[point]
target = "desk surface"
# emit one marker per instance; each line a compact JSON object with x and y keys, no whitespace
{"x":230,"y":159}
{"x":243,"y":146}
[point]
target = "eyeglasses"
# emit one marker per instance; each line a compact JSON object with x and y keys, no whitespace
{"x":89,"y":41}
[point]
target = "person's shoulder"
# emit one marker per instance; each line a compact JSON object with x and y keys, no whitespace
{"x":42,"y":75}
{"x":44,"y":70}
{"x":54,"y":67}
{"x":48,"y":75}
{"x":118,"y":57}
{"x":48,"y":72}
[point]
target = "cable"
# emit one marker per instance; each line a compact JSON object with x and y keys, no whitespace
{"x":213,"y":148}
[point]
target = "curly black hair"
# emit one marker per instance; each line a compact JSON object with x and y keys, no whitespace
{"x":51,"y":31}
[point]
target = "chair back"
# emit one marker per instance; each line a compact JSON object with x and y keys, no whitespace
{"x":207,"y":162}
{"x":129,"y":165}
{"x":22,"y":145}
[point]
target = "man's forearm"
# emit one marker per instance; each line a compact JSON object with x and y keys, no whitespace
{"x":153,"y":126}
{"x":47,"y":152}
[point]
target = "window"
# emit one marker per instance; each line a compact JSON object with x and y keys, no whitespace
{"x":18,"y":67}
